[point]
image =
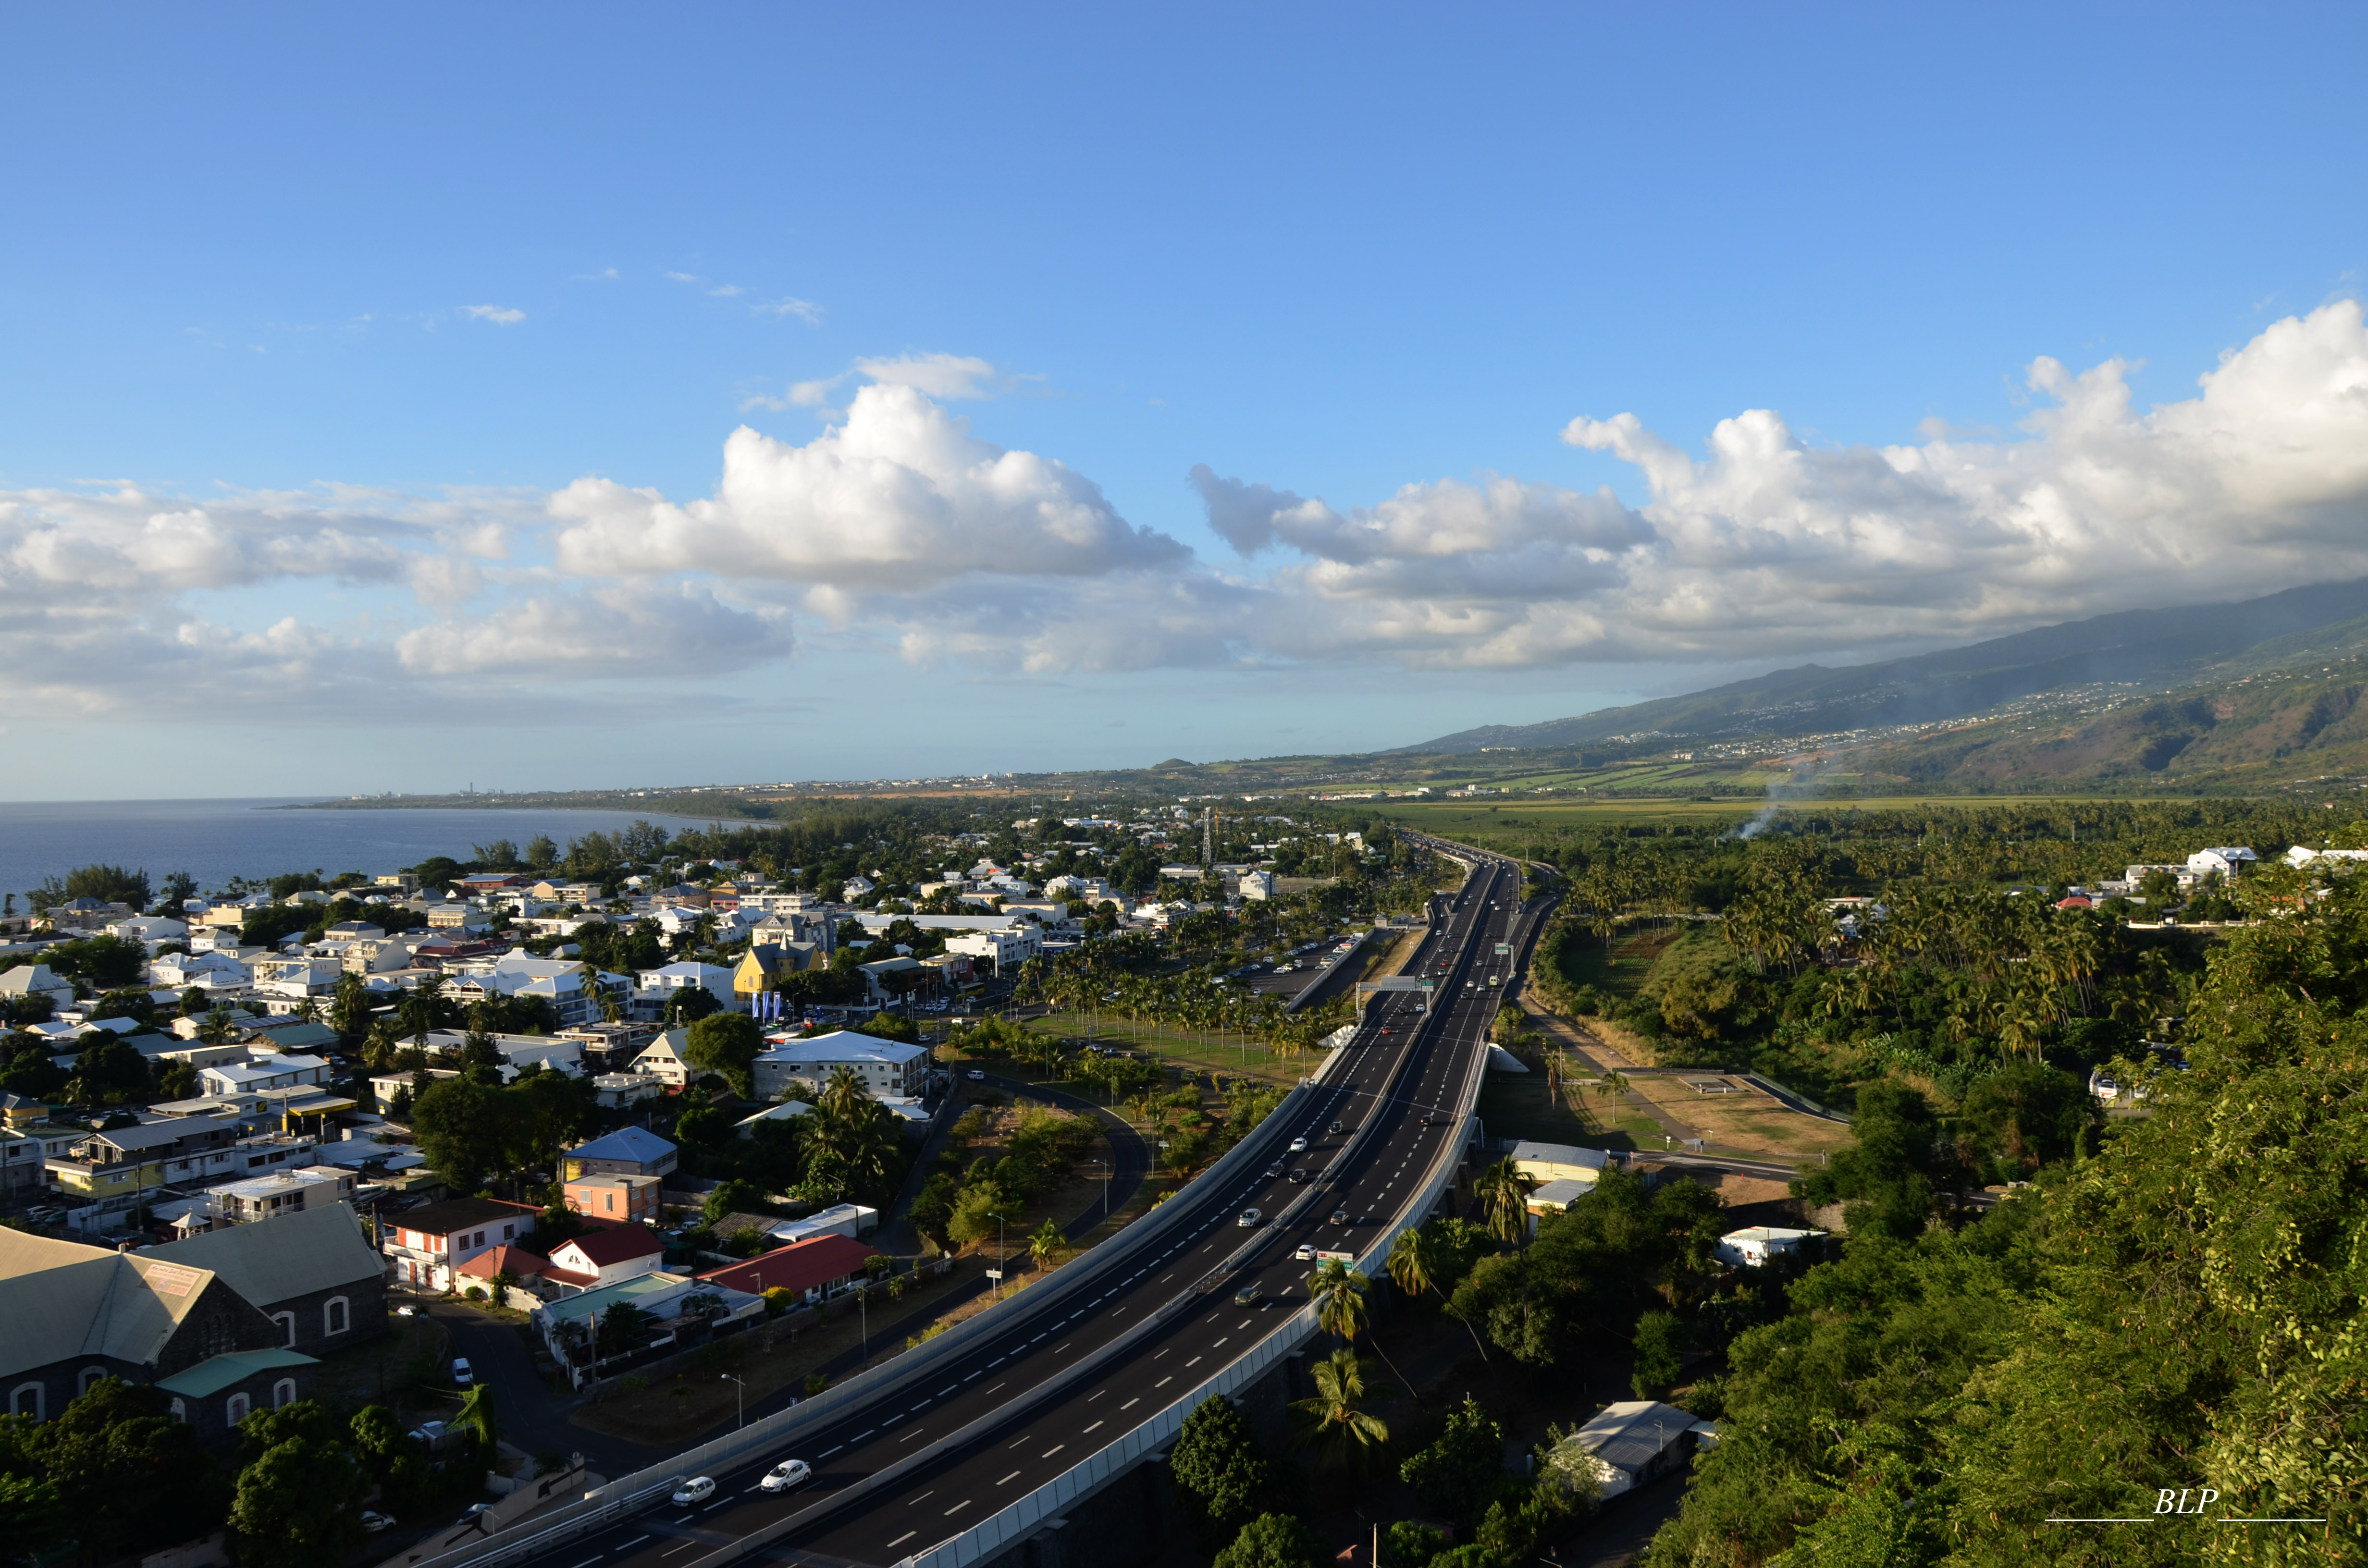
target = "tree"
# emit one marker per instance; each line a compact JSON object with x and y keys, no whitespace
{"x":126,"y":1473}
{"x":1655,"y":1360}
{"x":690,"y":1004}
{"x":1504,"y":1194}
{"x":1456,"y":1473}
{"x":1218,"y":1466}
{"x":465,"y":1130}
{"x":1334,"y":1422}
{"x":477,"y":1412}
{"x":1271,"y":1540}
{"x":1415,"y":1265}
{"x":1048,"y":1245}
{"x":728,"y":1043}
{"x":622,"y":1328}
{"x":297,"y":1500}
{"x":974,"y":1209}
{"x":1339,"y":1293}
{"x":1886,"y":1177}
{"x":109,"y":884}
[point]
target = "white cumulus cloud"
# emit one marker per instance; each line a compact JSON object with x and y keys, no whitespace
{"x":500,"y":315}
{"x":899,"y":498}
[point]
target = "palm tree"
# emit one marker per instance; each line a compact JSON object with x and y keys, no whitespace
{"x":1414,"y":1265}
{"x":1047,"y":1245}
{"x":417,"y":1008}
{"x":1504,"y":1195}
{"x":477,"y":1411}
{"x":1339,"y":1292}
{"x":1332,"y":1422}
{"x":217,"y":1029}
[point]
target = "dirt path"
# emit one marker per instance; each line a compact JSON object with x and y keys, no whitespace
{"x":1604,"y":1059}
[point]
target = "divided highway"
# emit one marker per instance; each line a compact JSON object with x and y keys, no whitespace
{"x":1393,"y":1101}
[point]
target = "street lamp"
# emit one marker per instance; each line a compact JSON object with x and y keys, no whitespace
{"x":999,"y":1256}
{"x":1106,"y":1176}
{"x":863,"y":1315}
{"x":740,"y":1396}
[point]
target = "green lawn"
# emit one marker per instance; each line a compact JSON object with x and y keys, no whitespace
{"x":1515,"y":1107}
{"x":1233,"y":1054}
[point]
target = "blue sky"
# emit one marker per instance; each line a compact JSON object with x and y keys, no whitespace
{"x":309,"y":315}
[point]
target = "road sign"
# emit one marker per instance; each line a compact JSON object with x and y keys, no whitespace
{"x":1504,"y":949}
{"x":994,"y":1274}
{"x":1322,"y":1256}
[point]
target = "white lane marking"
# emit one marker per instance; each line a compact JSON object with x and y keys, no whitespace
{"x":1166,"y":1277}
{"x":1023,"y":1437}
{"x":923,"y":1497}
{"x":686,"y":1546}
{"x":1219,"y":1346}
{"x":1006,"y":1480}
{"x":1095,"y":1395}
{"x":998,"y":1361}
{"x":1055,"y":1448}
{"x":975,"y":1375}
{"x":1089,"y":1429}
{"x":825,"y":1454}
{"x":942,"y":1392}
{"x":1163,"y":1383}
{"x":1039,"y":1338}
{"x":1243,"y":1323}
{"x":860,"y":1436}
{"x":1058,"y":1348}
{"x":1131,"y":1404}
{"x":1192,"y":1363}
{"x":630,"y":1544}
{"x":1120,"y":1313}
{"x":1157,"y":1354}
{"x":588,"y":1563}
{"x":957,"y":1508}
{"x":909,"y":1436}
{"x":901,"y":1539}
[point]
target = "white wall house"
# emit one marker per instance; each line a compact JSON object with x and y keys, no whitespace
{"x":888,"y":1070}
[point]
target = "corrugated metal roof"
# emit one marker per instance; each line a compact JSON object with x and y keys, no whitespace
{"x":216,"y":1373}
{"x":314,"y":1249}
{"x":62,"y":1300}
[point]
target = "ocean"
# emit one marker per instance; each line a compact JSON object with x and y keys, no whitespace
{"x":216,"y":840}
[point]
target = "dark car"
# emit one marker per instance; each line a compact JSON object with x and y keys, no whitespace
{"x":1299,"y":1174}
{"x":1339,"y":1216}
{"x":1338,"y":1130}
{"x":1248,"y":1296}
{"x":1273,"y":1170}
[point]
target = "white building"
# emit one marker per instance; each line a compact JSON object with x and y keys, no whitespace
{"x":1005,"y":950}
{"x":2301,"y":855}
{"x":888,"y":1070}
{"x":276,"y":1071}
{"x":1639,"y":1440}
{"x":2228,"y":860}
{"x":1753,"y":1246}
{"x":654,"y":988}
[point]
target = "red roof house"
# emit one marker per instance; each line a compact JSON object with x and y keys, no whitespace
{"x":605,"y":1255}
{"x":813,"y":1268}
{"x":515,"y":1262}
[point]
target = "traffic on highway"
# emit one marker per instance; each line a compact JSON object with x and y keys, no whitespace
{"x":1225,"y":1266}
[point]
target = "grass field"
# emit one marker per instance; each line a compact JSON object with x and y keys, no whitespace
{"x":1233,"y":1054}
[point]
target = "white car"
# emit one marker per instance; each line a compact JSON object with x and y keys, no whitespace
{"x":975,"y":1077}
{"x":462,"y":1377}
{"x":373,"y":1523}
{"x":1247,"y":1217}
{"x":1299,"y":1145}
{"x":786,"y":1474}
{"x":1306,"y":1253}
{"x":699,"y":1489}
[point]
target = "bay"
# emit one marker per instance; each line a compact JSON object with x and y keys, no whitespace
{"x":216,"y":840}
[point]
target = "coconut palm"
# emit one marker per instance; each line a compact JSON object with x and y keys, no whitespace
{"x":1414,"y":1265}
{"x":1339,"y":1292}
{"x":1504,"y":1194}
{"x":1332,"y":1423}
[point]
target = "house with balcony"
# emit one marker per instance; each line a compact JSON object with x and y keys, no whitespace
{"x":616,"y":1199}
{"x":425,"y":1245}
{"x":106,"y":1174}
{"x":629,"y":1150}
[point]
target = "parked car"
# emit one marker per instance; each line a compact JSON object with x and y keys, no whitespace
{"x":374,"y":1522}
{"x":697,"y":1488}
{"x":1247,"y":1217}
{"x":406,"y":1311}
{"x":427,"y":1432}
{"x":786,"y":1474}
{"x":975,"y":1077}
{"x":462,"y":1377}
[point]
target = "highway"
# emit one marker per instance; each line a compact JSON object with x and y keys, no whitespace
{"x":1393,"y":1099}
